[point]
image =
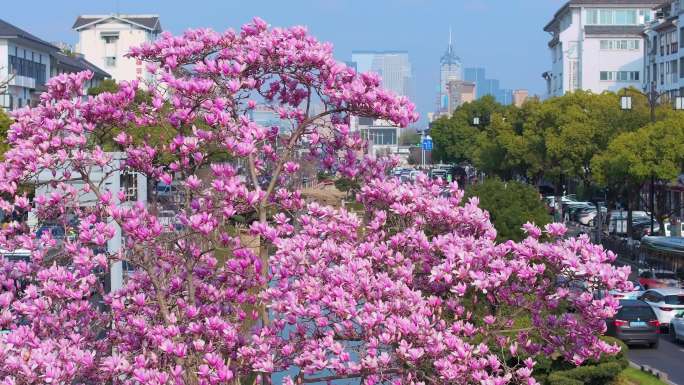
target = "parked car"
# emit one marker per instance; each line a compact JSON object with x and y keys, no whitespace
{"x":651,"y":279}
{"x":642,"y":228}
{"x":665,"y":302}
{"x":677,"y":327}
{"x":438,"y":173}
{"x":635,"y":322}
{"x":637,"y":291}
{"x":669,"y":228}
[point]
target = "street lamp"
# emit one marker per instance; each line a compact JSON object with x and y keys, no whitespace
{"x":626,"y":102}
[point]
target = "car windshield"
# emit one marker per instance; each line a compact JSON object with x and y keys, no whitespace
{"x":674,"y":299}
{"x":629,"y":313}
{"x":666,"y":275}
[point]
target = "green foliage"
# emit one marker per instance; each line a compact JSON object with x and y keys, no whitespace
{"x":409,"y":138}
{"x":5,"y":123}
{"x":604,"y":371}
{"x":107,"y":85}
{"x":510,"y":205}
{"x":348,"y":186}
{"x":540,"y":140}
{"x":455,"y":137}
{"x":632,"y":376}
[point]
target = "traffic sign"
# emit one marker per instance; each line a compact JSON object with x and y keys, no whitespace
{"x":427,"y":143}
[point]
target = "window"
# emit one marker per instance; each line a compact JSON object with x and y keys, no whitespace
{"x":110,"y":61}
{"x":109,"y":37}
{"x":382,"y":136}
{"x":592,"y":16}
{"x":622,"y":44}
{"x":24,"y":67}
{"x":632,"y":313}
{"x":622,"y":76}
{"x":681,"y":67}
{"x":674,"y":299}
{"x":128,"y":182}
{"x":613,"y":16}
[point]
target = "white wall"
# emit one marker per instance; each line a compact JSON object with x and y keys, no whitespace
{"x":589,"y":58}
{"x":596,"y":60}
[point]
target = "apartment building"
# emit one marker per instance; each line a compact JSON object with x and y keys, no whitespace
{"x":663,"y":49}
{"x":27,"y":61}
{"x":597,"y":45}
{"x":104,"y":40}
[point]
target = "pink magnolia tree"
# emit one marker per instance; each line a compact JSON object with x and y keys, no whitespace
{"x":413,"y":289}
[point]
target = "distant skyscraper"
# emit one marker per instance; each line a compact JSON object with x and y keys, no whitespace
{"x":450,"y":70}
{"x":393,"y":66}
{"x":484,"y":86}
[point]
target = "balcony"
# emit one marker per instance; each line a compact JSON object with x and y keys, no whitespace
{"x":23,"y":81}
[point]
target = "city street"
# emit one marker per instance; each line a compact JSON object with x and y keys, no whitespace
{"x":668,"y":358}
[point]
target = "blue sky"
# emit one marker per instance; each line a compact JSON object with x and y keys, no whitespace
{"x":504,"y":36}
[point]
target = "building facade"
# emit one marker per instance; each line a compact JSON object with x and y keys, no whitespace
{"x":664,"y":50}
{"x":382,"y":138}
{"x":104,"y":40}
{"x":26,"y":62}
{"x":459,"y":92}
{"x":596,"y":45}
{"x":520,"y":97}
{"x":393,"y":66}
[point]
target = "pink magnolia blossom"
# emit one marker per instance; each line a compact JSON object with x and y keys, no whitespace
{"x":412,"y":290}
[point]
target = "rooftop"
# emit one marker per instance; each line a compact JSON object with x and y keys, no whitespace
{"x":149,"y":22}
{"x":607,"y":3}
{"x":79,"y":63}
{"x":8,"y":30}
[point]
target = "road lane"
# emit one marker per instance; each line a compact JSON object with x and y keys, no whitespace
{"x":668,"y":358}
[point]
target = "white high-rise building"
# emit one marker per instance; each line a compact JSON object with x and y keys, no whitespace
{"x":104,"y":40}
{"x":597,"y":45}
{"x":393,"y":66}
{"x":450,"y":70}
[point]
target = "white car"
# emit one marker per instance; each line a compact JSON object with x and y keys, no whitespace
{"x":666,"y":303}
{"x":677,"y":327}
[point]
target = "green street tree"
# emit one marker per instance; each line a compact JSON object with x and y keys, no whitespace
{"x":631,"y":159}
{"x":510,"y":205}
{"x":107,"y":85}
{"x":455,"y":137}
{"x":409,"y":138}
{"x":5,"y":122}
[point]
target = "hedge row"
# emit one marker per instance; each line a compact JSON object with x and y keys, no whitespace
{"x":602,"y":372}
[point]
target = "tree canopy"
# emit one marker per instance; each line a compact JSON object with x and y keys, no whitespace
{"x":510,"y":205}
{"x":412,"y":290}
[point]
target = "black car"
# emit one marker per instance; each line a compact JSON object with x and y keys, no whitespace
{"x":634,"y":323}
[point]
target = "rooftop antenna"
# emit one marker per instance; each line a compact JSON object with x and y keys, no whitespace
{"x":450,"y":46}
